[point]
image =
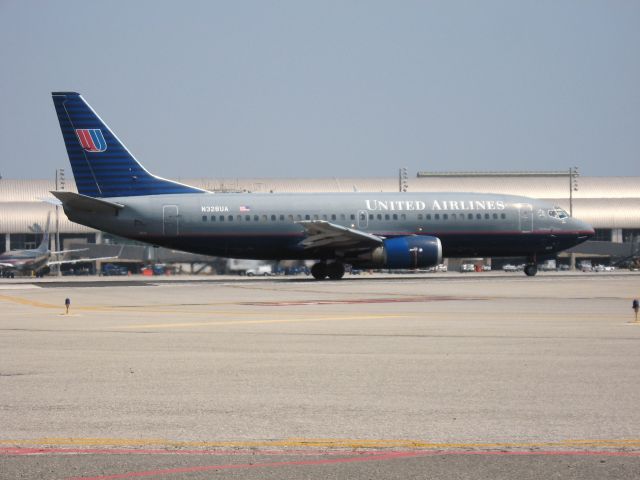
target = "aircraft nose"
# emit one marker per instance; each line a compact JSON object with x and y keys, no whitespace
{"x":584,"y":230}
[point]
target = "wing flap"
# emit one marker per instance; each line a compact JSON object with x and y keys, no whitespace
{"x":323,"y":234}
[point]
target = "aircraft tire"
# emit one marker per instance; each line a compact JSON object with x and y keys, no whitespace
{"x":335,"y":270}
{"x":319,"y":271}
{"x":530,"y":270}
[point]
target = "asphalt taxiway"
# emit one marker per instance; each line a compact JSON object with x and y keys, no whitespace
{"x":478,"y":376}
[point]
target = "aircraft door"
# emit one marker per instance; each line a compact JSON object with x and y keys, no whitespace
{"x":363,"y":219}
{"x":170,"y":220}
{"x":525,"y":214}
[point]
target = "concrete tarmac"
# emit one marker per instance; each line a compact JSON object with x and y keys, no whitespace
{"x":457,"y":376}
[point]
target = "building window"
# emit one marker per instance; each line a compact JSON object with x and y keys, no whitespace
{"x":603,"y":235}
{"x":630,"y":235}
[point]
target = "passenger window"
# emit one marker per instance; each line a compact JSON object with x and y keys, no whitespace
{"x":315,"y":217}
{"x":379,"y":216}
{"x":264,"y":218}
{"x":204,"y":218}
{"x":213,"y":218}
{"x":419,"y":216}
{"x":437,"y":216}
{"x":290,"y":217}
{"x":307,"y":217}
{"x":273,"y":218}
{"x":495,"y":216}
{"x":222,"y":218}
{"x":479,"y":216}
{"x":324,"y":217}
{"x":487,"y":216}
{"x":256,"y":218}
{"x":299,"y":217}
{"x":371,"y":216}
{"x":386,"y":216}
{"x":282,"y":218}
{"x":333,"y":216}
{"x":353,"y":217}
{"x":247,"y":218}
{"x":503,"y":216}
{"x":395,"y":216}
{"x":445,"y":216}
{"x":230,"y":218}
{"x":239,"y":217}
{"x":428,"y":216}
{"x":470,"y":216}
{"x":403,"y":216}
{"x":453,"y":216}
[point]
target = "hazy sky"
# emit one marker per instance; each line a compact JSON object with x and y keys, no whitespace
{"x":328,"y":88}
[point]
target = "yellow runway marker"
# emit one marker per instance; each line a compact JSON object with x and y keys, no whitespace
{"x":632,"y":443}
{"x":255,"y":322}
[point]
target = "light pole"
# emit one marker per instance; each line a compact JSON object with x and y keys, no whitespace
{"x":403,"y":180}
{"x":59,"y":186}
{"x":573,"y":187}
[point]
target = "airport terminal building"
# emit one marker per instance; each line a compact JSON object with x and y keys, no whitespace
{"x":610,"y":204}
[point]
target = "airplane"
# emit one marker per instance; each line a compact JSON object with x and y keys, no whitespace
{"x":37,"y":259}
{"x":400,"y":230}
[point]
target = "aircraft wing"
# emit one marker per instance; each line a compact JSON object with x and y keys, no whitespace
{"x":80,"y":260}
{"x":69,"y":251}
{"x":323,"y":234}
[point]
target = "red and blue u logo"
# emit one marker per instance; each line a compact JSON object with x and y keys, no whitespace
{"x":91,"y":139}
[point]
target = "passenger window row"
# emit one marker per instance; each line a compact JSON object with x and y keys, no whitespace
{"x":343,"y":217}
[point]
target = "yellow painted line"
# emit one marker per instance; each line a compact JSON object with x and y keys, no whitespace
{"x":26,"y":301}
{"x":255,"y":322}
{"x":323,"y":443}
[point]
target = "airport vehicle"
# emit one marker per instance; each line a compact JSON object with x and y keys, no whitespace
{"x":117,"y":194}
{"x":36,"y":260}
{"x":262,"y":270}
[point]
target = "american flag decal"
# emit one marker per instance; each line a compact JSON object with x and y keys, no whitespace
{"x":91,"y":139}
{"x":244,"y":208}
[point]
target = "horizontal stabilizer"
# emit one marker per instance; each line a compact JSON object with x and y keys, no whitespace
{"x":76,"y":201}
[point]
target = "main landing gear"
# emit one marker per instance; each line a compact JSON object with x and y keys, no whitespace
{"x":322,"y":270}
{"x":531,"y":268}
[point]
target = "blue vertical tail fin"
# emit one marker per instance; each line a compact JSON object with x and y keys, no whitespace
{"x":102,"y":166}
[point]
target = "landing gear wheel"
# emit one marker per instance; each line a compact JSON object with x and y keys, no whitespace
{"x":335,"y":270}
{"x":319,"y":271}
{"x":530,"y":270}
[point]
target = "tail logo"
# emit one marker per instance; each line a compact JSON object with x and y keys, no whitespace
{"x":91,"y":139}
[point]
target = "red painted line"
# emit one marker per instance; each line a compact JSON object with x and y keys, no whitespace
{"x":368,"y":458}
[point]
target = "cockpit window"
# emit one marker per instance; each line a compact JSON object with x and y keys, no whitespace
{"x":558,"y":213}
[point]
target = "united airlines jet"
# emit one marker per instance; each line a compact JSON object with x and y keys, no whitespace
{"x":118,"y":195}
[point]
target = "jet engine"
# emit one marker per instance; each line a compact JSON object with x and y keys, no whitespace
{"x":408,"y":252}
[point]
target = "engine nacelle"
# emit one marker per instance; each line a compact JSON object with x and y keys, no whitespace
{"x":410,"y":252}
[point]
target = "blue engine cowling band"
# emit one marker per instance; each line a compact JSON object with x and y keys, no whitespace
{"x":412,"y":252}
